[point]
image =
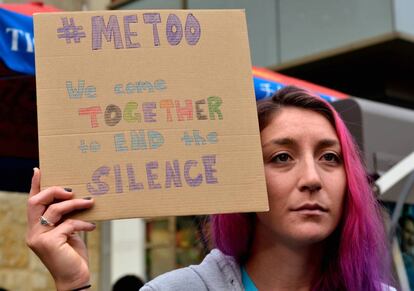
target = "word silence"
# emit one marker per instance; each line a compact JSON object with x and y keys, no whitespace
{"x":176,"y":173}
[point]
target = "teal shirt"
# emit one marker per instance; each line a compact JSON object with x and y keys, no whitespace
{"x":247,"y":281}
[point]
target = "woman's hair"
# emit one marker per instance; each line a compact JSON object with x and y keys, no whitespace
{"x":357,"y":256}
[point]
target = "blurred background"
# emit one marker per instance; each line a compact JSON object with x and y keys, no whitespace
{"x":357,"y":54}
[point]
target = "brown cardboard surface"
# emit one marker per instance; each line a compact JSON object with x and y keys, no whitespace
{"x":151,"y":112}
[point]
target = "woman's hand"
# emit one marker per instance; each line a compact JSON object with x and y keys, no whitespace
{"x":55,"y":240}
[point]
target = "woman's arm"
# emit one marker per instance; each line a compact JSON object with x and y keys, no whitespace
{"x":53,"y":238}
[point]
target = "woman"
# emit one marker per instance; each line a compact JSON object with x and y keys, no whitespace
{"x":323,"y":230}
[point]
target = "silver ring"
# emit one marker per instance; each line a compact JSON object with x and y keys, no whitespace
{"x":45,"y":222}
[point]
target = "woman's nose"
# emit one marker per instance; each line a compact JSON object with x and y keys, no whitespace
{"x":309,"y":179}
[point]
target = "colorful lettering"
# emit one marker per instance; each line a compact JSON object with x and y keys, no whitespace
{"x":92,"y":112}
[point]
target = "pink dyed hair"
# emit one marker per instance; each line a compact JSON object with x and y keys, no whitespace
{"x":357,"y":256}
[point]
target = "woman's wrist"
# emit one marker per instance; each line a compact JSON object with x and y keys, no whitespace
{"x":84,"y":287}
{"x":73,"y":286}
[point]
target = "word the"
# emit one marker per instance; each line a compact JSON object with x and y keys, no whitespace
{"x":191,"y":172}
{"x":197,"y":139}
{"x":113,"y":114}
{"x":174,"y":30}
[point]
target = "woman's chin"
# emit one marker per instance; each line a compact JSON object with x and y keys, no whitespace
{"x":310,"y":234}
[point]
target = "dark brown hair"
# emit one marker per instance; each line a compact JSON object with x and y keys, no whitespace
{"x":294,"y":97}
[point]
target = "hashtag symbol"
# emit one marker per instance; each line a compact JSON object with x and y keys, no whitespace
{"x":70,"y":31}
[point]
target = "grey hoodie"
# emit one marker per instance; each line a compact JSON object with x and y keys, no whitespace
{"x":216,"y":272}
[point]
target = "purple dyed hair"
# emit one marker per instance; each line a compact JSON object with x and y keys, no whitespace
{"x":357,"y":256}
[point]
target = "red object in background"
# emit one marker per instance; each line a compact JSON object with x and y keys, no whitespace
{"x":276,"y":77}
{"x":29,"y":8}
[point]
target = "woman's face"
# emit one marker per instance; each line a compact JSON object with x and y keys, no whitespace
{"x":305,"y":178}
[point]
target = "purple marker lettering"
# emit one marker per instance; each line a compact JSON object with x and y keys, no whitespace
{"x":174,"y":29}
{"x":152,"y":176}
{"x":172,"y":174}
{"x":193,"y":182}
{"x":148,"y":108}
{"x":133,"y":185}
{"x":209,"y":161}
{"x":192,"y":30}
{"x":103,"y":187}
{"x":112,"y":30}
{"x":118,"y":179}
{"x":153,"y":18}
{"x":127,"y":20}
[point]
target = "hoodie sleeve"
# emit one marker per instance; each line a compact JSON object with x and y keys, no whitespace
{"x":184,"y":279}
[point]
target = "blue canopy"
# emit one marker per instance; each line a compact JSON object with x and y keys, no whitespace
{"x":16,"y":41}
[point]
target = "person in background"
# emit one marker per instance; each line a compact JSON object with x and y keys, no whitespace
{"x":323,"y":232}
{"x":128,"y":283}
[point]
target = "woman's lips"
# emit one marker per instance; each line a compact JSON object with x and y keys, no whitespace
{"x":311,"y":209}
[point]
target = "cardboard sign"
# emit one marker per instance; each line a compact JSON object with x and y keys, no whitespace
{"x":150,"y":112}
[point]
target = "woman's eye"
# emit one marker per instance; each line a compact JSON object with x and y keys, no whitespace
{"x":281,"y":158}
{"x":331,"y":158}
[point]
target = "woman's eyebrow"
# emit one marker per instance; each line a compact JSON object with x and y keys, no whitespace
{"x":287,"y":141}
{"x":325,"y":143}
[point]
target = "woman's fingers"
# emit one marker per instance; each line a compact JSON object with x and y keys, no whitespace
{"x":54,"y":212}
{"x":35,"y":188}
{"x":70,"y":226}
{"x":48,"y":242}
{"x":38,"y":203}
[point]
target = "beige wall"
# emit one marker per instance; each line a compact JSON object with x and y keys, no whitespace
{"x":20,"y":270}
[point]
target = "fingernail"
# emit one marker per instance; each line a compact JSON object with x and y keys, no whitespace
{"x":93,"y":223}
{"x":35,"y":169}
{"x":67,"y":189}
{"x":87,"y":198}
